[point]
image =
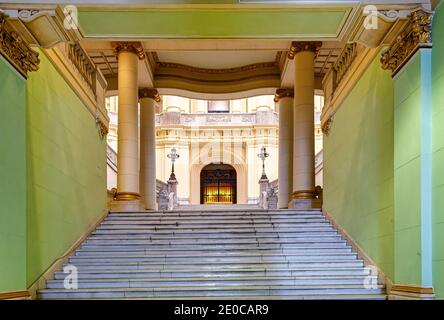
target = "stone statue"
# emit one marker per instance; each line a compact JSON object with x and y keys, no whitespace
{"x":163,"y":200}
{"x":272,"y":198}
{"x":264,"y":200}
{"x":171,"y":197}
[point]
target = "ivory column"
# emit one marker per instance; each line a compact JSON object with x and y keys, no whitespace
{"x":284,"y":97}
{"x":148,"y":100}
{"x":303,"y":196}
{"x":128,"y":54}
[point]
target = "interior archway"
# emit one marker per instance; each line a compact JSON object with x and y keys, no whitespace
{"x":218,"y":184}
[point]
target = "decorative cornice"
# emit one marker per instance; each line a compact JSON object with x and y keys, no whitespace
{"x":149,"y":93}
{"x":326,"y":126}
{"x":16,"y":50}
{"x":297,"y":47}
{"x":134,"y":47}
{"x":417,"y":34}
{"x":283,"y":93}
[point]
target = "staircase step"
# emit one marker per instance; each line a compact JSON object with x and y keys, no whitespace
{"x":209,"y":258}
{"x":187,"y":273}
{"x":306,"y":245}
{"x":181,"y":236}
{"x":299,"y":290}
{"x":209,"y":252}
{"x":222,"y":282}
{"x":224,"y":227}
{"x":221,"y":220}
{"x":231,"y":212}
{"x":217,"y":232}
{"x":173,"y":265}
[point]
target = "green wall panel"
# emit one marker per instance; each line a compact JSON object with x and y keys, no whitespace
{"x":438,"y":151}
{"x":412,"y":167}
{"x":66,"y":168}
{"x":358,"y":166}
{"x":211,"y":23}
{"x":12,"y":179}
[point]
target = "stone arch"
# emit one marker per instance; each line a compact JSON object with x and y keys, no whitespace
{"x":241,"y":173}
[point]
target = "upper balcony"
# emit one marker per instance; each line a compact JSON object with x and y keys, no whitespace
{"x":265,"y":117}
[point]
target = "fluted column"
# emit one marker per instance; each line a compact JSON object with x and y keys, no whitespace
{"x":148,"y":100}
{"x":303,"y":196}
{"x":284,"y":97}
{"x":128,"y":54}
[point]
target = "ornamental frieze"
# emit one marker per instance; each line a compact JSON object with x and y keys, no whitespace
{"x":417,"y":34}
{"x":16,"y":50}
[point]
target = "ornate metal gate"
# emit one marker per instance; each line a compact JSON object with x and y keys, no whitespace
{"x":218,"y":185}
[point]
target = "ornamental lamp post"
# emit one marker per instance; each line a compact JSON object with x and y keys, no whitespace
{"x":263,"y":155}
{"x":173,"y":156}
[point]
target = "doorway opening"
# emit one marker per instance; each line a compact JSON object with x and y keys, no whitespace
{"x":218,"y":184}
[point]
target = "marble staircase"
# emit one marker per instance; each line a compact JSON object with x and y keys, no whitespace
{"x":241,"y":253}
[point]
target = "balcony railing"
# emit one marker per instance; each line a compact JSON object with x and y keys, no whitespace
{"x":83,"y":64}
{"x":211,"y":119}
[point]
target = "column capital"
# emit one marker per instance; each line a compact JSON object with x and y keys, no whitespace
{"x":149,"y":93}
{"x":283,"y":93}
{"x":416,"y":34}
{"x":129,"y":46}
{"x":297,"y":47}
{"x":16,"y":50}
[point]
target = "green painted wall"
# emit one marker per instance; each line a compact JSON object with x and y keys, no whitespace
{"x":12,"y":180}
{"x":412,"y":166}
{"x":66,"y":168}
{"x":438,"y":150}
{"x":358,"y":166}
{"x":214,"y":23}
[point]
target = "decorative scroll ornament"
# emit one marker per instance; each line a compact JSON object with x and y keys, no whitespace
{"x":283,"y":93}
{"x":102,"y":127}
{"x":417,"y":34}
{"x":297,"y":47}
{"x":15,"y":50}
{"x":149,"y":93}
{"x":134,"y":47}
{"x":326,"y":126}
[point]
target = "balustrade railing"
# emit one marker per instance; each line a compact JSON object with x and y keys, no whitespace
{"x":208,"y":119}
{"x":344,"y":61}
{"x":83,"y":64}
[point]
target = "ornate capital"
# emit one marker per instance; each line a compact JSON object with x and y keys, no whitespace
{"x":134,"y":47}
{"x":297,"y":47}
{"x":326,"y":126}
{"x":417,"y":34}
{"x":16,"y":50}
{"x":149,"y":93}
{"x":283,"y":93}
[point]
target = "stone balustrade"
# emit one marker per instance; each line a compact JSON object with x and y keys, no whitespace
{"x":210,"y":119}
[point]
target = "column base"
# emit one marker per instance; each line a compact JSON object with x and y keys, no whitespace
{"x":305,"y":204}
{"x":127,"y":196}
{"x":409,"y":292}
{"x":126,"y":206}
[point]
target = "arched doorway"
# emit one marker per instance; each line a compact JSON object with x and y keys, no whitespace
{"x":218,"y":184}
